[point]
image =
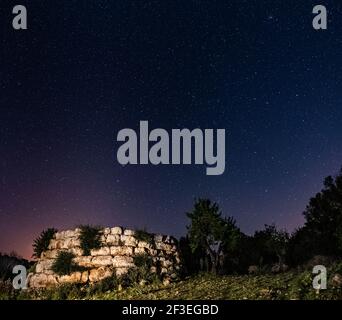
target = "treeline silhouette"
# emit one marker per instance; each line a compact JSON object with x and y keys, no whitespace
{"x":215,"y":243}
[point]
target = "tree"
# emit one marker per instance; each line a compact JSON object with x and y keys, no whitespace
{"x":211,"y":233}
{"x":269,"y":246}
{"x":324,"y":217}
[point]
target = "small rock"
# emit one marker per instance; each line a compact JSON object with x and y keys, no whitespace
{"x":337,"y":280}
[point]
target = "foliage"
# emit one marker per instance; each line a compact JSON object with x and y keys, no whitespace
{"x":210,"y":233}
{"x":272,"y":243}
{"x":90,"y":238}
{"x":110,"y":283}
{"x":7,"y":263}
{"x":141,"y":273}
{"x":41,"y":243}
{"x":64,"y":264}
{"x":324,"y":216}
{"x":142,"y":235}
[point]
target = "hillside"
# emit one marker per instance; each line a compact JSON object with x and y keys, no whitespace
{"x":286,"y":286}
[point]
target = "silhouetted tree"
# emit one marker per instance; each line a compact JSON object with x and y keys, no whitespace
{"x":324,"y":217}
{"x":211,"y":233}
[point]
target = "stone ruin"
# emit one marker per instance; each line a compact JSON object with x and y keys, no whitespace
{"x":116,"y":255}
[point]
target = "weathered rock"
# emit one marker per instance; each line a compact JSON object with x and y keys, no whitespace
{"x":138,"y":251}
{"x":122,"y":262}
{"x":103,"y":251}
{"x":100,"y":261}
{"x":106,"y":231}
{"x":253,"y":269}
{"x":119,"y":247}
{"x":76,"y":251}
{"x":121,"y":251}
{"x":128,"y":240}
{"x":100,"y":274}
{"x":144,"y":244}
{"x":113,"y":239}
{"x":337,"y":280}
{"x":319,"y":260}
{"x":116,"y":230}
{"x":44,"y":266}
{"x":121,"y":271}
{"x":128,"y":232}
{"x":49,"y":254}
{"x":85,"y":277}
{"x":67,"y":234}
{"x":277,"y":268}
{"x":84,"y":261}
{"x":153,"y":269}
{"x":163,"y":270}
{"x":74,"y":277}
{"x":167,"y":263}
{"x":41,"y":280}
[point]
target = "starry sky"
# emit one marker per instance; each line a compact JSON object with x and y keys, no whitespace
{"x":86,"y":69}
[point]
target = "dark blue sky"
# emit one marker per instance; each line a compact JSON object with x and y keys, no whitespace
{"x":86,"y":69}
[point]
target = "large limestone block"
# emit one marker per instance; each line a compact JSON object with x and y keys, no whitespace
{"x":49,"y":254}
{"x":121,"y":271}
{"x":103,"y":251}
{"x":74,"y":277}
{"x":77,"y":251}
{"x":116,"y":230}
{"x":123,"y":262}
{"x":144,"y":244}
{"x":44,"y":266}
{"x":67,"y":234}
{"x":100,"y":261}
{"x":113,"y":239}
{"x":128,"y":232}
{"x":165,"y":247}
{"x":138,"y":251}
{"x":84,"y":261}
{"x":42,"y":280}
{"x":106,"y":231}
{"x":85,"y":276}
{"x":100,"y":273}
{"x":129,"y":240}
{"x":121,"y":251}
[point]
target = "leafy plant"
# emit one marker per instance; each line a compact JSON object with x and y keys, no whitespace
{"x":64,"y":264}
{"x":90,"y":238}
{"x":210,"y":233}
{"x":143,"y":235}
{"x":41,"y":243}
{"x":107,"y":284}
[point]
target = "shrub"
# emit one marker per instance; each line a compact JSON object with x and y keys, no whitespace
{"x":90,"y":238}
{"x":64,"y":265}
{"x":41,"y":243}
{"x":142,"y":235}
{"x":141,"y":272}
{"x":107,"y":284}
{"x":65,"y":291}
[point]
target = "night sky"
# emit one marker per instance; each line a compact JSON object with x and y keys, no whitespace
{"x":86,"y":69}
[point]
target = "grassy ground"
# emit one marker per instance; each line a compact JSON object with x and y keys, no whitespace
{"x":206,"y":287}
{"x":286,"y":286}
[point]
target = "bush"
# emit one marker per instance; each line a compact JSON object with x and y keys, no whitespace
{"x":140,"y":273}
{"x":107,"y":284}
{"x":90,"y":238}
{"x":41,"y":243}
{"x":64,"y":265}
{"x":142,"y":235}
{"x":66,"y":291}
